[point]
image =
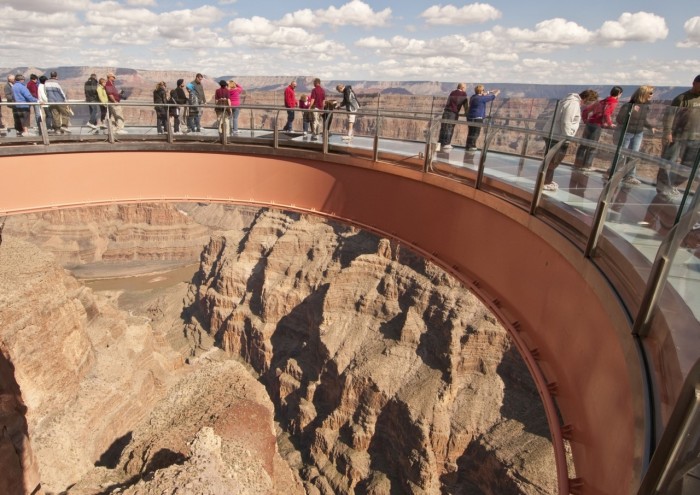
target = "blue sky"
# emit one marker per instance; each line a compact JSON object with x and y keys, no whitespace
{"x":539,"y":41}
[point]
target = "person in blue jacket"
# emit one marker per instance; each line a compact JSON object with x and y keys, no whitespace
{"x":477,"y":112}
{"x":22,"y":96}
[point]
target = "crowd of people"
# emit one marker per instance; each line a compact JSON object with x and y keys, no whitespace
{"x":181,"y":108}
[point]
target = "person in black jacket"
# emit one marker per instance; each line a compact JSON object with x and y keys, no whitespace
{"x":348,"y":104}
{"x":160,"y":98}
{"x":91,"y":97}
{"x":180,"y":97}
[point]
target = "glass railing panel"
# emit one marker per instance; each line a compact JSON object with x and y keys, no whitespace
{"x":402,"y":137}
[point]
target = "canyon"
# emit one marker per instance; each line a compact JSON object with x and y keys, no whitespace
{"x":298,"y":356}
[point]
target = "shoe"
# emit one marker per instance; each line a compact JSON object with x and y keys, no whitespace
{"x":103,"y":126}
{"x":65,"y":131}
{"x":552,"y":186}
{"x":346,"y":138}
{"x":91,"y":125}
{"x":447,"y":147}
{"x":472,"y":148}
{"x":631,"y":181}
{"x":314,"y":137}
{"x":122,"y":131}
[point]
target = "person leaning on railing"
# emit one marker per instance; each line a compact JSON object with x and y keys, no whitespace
{"x":565,"y":125}
{"x":477,"y":112}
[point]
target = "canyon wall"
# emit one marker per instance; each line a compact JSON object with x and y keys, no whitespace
{"x":388,"y":374}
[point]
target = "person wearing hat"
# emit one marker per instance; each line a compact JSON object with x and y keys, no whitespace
{"x":681,"y":139}
{"x":116,"y":113}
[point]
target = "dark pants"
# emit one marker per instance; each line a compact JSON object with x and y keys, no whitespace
{"x":473,"y":133}
{"x":586,"y":154}
{"x":290,"y":119}
{"x":556,"y":159}
{"x":21,"y":117}
{"x":93,"y":114}
{"x":446,"y":130}
{"x":687,"y":151}
{"x":162,"y":121}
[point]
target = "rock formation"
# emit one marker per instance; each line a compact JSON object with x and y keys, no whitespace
{"x":389,"y":375}
{"x":114,"y":233}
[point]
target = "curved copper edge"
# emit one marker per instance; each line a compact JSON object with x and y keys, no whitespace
{"x":437,"y":218}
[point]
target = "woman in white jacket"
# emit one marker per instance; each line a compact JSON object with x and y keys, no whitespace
{"x":565,"y":125}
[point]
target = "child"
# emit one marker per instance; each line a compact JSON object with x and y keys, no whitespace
{"x":308,"y":117}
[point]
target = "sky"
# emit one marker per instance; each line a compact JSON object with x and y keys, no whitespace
{"x":519,"y":41}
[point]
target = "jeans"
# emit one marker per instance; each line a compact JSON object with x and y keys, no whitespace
{"x":234,"y":119}
{"x":473,"y":133}
{"x":93,"y":114}
{"x":193,"y":122}
{"x":446,"y":130}
{"x":586,"y":154}
{"x":290,"y":119}
{"x":632,"y":141}
{"x":557,"y":158}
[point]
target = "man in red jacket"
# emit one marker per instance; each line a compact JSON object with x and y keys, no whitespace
{"x":290,"y":101}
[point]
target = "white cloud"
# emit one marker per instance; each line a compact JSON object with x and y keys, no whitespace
{"x":253,"y":26}
{"x":552,"y":31}
{"x":640,"y":26}
{"x":301,"y":18}
{"x":692,"y":32}
{"x":356,"y":13}
{"x":449,"y":15}
{"x":142,"y":3}
{"x":373,"y":42}
{"x":24,"y":22}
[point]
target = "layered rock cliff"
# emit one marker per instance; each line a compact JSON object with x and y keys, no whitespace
{"x":389,"y":376}
{"x":81,"y":381}
{"x":114,"y":233}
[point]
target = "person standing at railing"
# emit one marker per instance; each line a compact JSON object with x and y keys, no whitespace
{"x":307,"y":117}
{"x":193,"y":119}
{"x":316,"y":102}
{"x":455,"y":102}
{"x":90,"y":89}
{"x":9,"y":97}
{"x":22,"y":96}
{"x":637,"y":111}
{"x":44,"y":100}
{"x":290,"y":102}
{"x":160,"y":99}
{"x":349,"y":104}
{"x":103,"y":99}
{"x":566,"y":122}
{"x":61,"y":113}
{"x":681,"y":138}
{"x":597,"y":116}
{"x":235,"y":90}
{"x":33,"y":87}
{"x":477,"y":113}
{"x":222,"y":100}
{"x":197,"y":86}
{"x":116,"y":112}
{"x":179,"y":95}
